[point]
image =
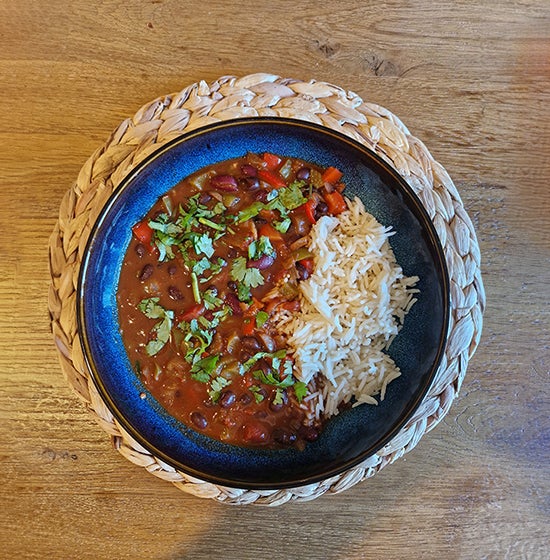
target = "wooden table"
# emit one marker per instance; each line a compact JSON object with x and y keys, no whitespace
{"x":471,"y":79}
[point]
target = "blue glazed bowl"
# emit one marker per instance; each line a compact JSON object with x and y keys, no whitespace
{"x":348,"y":438}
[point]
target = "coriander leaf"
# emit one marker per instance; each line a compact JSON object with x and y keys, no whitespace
{"x":292,"y":196}
{"x":200,"y":266}
{"x":300,"y":390}
{"x":243,"y":292}
{"x":283,"y":225}
{"x":217,"y":386}
{"x":251,"y":277}
{"x":249,"y":212}
{"x":261,"y":318}
{"x":278,"y":398}
{"x":258,"y":396}
{"x":211,"y":300}
{"x":202,"y":244}
{"x":151,"y":309}
{"x":202,"y":369}
{"x":262,"y":246}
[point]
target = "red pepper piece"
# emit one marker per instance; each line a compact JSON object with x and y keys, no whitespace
{"x":271,"y":161}
{"x":272,"y":178}
{"x":309,"y":210}
{"x":143,"y":232}
{"x":331,"y":175}
{"x":269,"y":231}
{"x":307,"y":264}
{"x":335,"y":202}
{"x":194,"y":312}
{"x":248,"y":326}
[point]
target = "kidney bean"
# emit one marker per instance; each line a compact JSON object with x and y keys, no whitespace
{"x":224,"y":183}
{"x":303,"y":173}
{"x":251,"y":344}
{"x":146,"y":272}
{"x":174,"y":293}
{"x":265,"y":261}
{"x":261,"y":195}
{"x":254,"y":433}
{"x":199,"y":420}
{"x":249,"y":170}
{"x":233,"y":301}
{"x":227,"y":398}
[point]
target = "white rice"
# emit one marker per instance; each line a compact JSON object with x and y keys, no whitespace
{"x":352,"y":306}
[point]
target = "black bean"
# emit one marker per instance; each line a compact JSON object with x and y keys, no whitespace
{"x":276,"y":407}
{"x":172,"y":269}
{"x":227,"y":398}
{"x":232,"y":285}
{"x":204,"y":198}
{"x":140,"y":250}
{"x":321,"y":209}
{"x":309,"y":433}
{"x":303,"y":173}
{"x":303,"y":272}
{"x":251,"y":344}
{"x":199,"y":420}
{"x":261,"y":195}
{"x":251,"y":183}
{"x":174,"y":293}
{"x":146,"y":272}
{"x":245,"y":398}
{"x":283,"y":436}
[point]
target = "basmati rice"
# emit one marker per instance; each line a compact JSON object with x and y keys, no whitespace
{"x":352,"y":307}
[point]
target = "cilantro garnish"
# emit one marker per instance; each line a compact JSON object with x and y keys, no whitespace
{"x":151,"y":309}
{"x":216,"y":387}
{"x":202,"y":369}
{"x":261,"y":318}
{"x":256,"y":391}
{"x":262,"y":246}
{"x":292,"y":196}
{"x":251,"y":277}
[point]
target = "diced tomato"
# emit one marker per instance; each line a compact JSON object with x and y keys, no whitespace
{"x":309,"y":210}
{"x":269,"y":231}
{"x":248,"y":326}
{"x":335,"y":202}
{"x":272,"y":178}
{"x":271,"y":161}
{"x":143,"y":232}
{"x":307,"y":264}
{"x":331,"y":175}
{"x":194,"y":312}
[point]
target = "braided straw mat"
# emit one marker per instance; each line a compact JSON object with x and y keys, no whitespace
{"x":267,"y":95}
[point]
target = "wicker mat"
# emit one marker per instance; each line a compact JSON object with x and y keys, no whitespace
{"x":267,"y":95}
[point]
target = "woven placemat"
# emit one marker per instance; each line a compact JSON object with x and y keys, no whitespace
{"x":267,"y":95}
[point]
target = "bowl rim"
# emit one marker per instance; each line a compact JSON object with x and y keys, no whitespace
{"x":434,"y":242}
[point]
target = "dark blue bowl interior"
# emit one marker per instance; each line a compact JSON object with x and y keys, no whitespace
{"x":350,"y":437}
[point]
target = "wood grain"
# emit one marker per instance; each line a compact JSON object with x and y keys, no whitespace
{"x":472,"y":80}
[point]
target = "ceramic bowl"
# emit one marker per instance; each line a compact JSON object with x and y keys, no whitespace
{"x":348,"y":438}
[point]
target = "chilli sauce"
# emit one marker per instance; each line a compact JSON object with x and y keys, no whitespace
{"x":205,"y":275}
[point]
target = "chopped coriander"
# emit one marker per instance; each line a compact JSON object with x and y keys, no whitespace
{"x":261,"y":319}
{"x":256,"y":391}
{"x":210,"y":299}
{"x":278,"y":398}
{"x":200,"y":266}
{"x":249,"y":212}
{"x":195,"y":286}
{"x":262,"y":246}
{"x":282,"y":225}
{"x":217,"y":385}
{"x":292,"y":196}
{"x":202,"y":243}
{"x":151,"y":309}
{"x":202,"y":369}
{"x":300,"y":390}
{"x":251,"y":277}
{"x":243,"y":292}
